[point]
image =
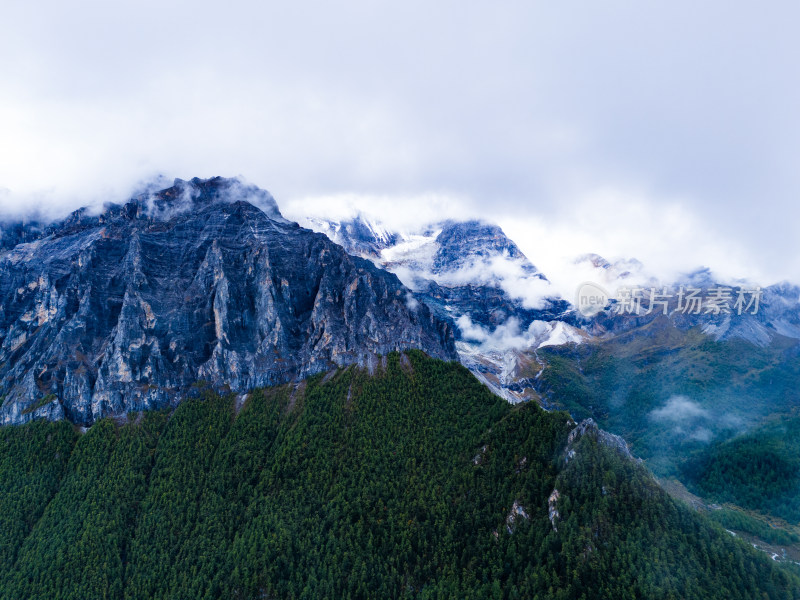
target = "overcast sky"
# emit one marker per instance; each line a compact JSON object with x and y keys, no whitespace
{"x":668,"y":131}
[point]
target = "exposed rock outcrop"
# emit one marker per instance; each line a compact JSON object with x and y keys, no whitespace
{"x":125,"y":310}
{"x":515,"y":515}
{"x":552,"y":510}
{"x":589,"y":427}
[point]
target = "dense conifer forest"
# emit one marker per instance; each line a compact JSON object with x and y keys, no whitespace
{"x":411,"y":482}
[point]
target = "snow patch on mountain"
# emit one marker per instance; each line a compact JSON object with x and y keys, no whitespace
{"x":413,"y":248}
{"x":497,"y":370}
{"x":505,"y":358}
{"x":510,"y":336}
{"x":559,"y":333}
{"x":474,"y":275}
{"x":451,"y":254}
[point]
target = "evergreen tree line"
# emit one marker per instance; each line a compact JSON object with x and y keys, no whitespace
{"x":349,"y":486}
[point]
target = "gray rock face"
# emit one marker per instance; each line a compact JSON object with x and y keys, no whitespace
{"x":463,"y":243}
{"x":590,"y":428}
{"x":451,"y":246}
{"x":126,"y":310}
{"x":358,"y":235}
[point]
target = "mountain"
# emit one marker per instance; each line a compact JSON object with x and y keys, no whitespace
{"x":501,"y":307}
{"x":410,"y":482}
{"x":707,"y":398}
{"x":101,"y":314}
{"x":249,"y":428}
{"x":764,"y":315}
{"x":14,"y":232}
{"x":360,"y":237}
{"x":454,"y":251}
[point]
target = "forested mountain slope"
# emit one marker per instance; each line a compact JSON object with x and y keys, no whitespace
{"x":412,"y":482}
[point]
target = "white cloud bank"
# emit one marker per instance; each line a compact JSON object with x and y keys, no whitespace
{"x":510,"y":336}
{"x":666,"y":131}
{"x":680,"y":409}
{"x":668,"y":238}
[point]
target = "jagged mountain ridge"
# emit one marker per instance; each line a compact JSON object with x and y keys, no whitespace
{"x":471,"y":274}
{"x":439,"y":263}
{"x":458,"y":269}
{"x":683,"y":388}
{"x":439,"y":248}
{"x":125,"y":310}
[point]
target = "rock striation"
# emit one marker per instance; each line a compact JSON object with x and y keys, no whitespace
{"x":101,"y":314}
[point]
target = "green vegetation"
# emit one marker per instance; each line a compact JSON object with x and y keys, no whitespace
{"x":677,"y":397}
{"x":620,"y":382}
{"x":617,"y":521}
{"x":741,"y":521}
{"x":43,"y":401}
{"x":759,"y":470}
{"x":79,"y":544}
{"x":32,"y":462}
{"x":397,"y":485}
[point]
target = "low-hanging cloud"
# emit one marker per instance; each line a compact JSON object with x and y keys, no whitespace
{"x":687,"y":419}
{"x":511,"y":336}
{"x":505,"y":272}
{"x":680,"y":409}
{"x":236,"y":189}
{"x":527,"y":123}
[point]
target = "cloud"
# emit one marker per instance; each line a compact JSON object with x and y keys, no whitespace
{"x":687,"y":418}
{"x":669,"y":239}
{"x":680,"y":409}
{"x":507,"y":336}
{"x":404,"y":213}
{"x":411,"y":302}
{"x":541,"y":119}
{"x":702,"y":434}
{"x":510,"y":336}
{"x":500,"y":270}
{"x":235,"y":190}
{"x":473,"y":332}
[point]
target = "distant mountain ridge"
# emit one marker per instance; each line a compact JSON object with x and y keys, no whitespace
{"x":503,"y":309}
{"x":205,"y":280}
{"x":707,"y":397}
{"x":474,"y":276}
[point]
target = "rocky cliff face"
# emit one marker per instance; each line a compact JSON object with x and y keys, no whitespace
{"x":473,"y":276}
{"x":126,"y":310}
{"x":455,"y":267}
{"x":463,"y":244}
